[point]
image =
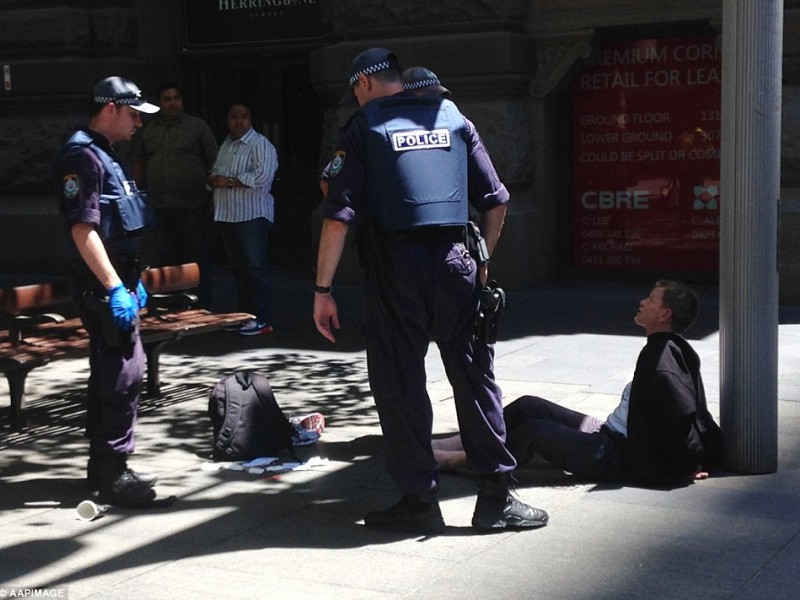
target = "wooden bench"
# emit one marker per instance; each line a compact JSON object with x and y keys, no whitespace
{"x":37,"y":334}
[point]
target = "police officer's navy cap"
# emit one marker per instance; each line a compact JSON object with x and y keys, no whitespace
{"x":372,"y":61}
{"x":122,"y":91}
{"x":423,"y":81}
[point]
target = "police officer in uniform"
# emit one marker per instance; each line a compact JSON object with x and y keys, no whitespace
{"x":404,"y":171}
{"x":104,"y":216}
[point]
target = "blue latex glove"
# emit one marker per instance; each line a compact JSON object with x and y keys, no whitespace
{"x":141,"y":294}
{"x":123,"y":307}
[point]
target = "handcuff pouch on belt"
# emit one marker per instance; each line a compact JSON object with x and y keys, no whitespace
{"x":476,"y":244}
{"x":487,"y":324}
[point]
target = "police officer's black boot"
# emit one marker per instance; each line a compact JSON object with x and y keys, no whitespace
{"x":93,"y":474}
{"x":118,"y":485}
{"x":415,"y":513}
{"x":497,"y":508}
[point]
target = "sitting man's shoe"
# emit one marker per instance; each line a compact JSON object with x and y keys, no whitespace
{"x":232,"y":326}
{"x":497,"y":508}
{"x":303,"y":437}
{"x":94,"y":475}
{"x":415,"y":513}
{"x":126,"y":491}
{"x":254,"y":327}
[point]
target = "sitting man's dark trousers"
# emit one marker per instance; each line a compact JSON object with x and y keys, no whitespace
{"x":577,"y":443}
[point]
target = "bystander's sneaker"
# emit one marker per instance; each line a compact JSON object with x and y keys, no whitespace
{"x":497,"y":508}
{"x":232,"y":327}
{"x":253,"y":327}
{"x":415,"y":513}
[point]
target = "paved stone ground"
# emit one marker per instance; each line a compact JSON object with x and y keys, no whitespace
{"x":233,"y":534}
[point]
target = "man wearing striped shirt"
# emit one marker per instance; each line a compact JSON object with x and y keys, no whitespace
{"x":244,"y":210}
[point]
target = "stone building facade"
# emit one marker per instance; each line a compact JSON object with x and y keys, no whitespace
{"x":510,"y":65}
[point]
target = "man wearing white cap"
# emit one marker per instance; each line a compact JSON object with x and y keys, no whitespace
{"x":404,"y":172}
{"x":104,"y":216}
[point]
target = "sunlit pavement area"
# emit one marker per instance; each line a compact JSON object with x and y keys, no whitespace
{"x":234,"y":534}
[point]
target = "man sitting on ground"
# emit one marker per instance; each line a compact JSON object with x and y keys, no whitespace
{"x":660,"y":432}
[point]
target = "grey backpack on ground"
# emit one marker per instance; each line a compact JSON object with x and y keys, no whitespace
{"x":246,"y":419}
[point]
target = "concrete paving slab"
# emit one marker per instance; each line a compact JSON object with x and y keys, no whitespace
{"x":299,"y":535}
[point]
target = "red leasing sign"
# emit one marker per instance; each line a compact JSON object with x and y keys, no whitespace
{"x":645,"y":148}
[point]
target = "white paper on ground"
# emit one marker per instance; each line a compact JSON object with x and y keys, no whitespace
{"x":272,"y":464}
{"x":260,"y":462}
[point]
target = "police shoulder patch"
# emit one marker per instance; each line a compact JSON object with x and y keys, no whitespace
{"x":338,"y":162}
{"x":71,"y":185}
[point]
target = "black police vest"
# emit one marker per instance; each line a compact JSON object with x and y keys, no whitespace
{"x":416,"y":162}
{"x":124,"y":212}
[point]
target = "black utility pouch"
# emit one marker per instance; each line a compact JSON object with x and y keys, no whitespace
{"x":493,"y":301}
{"x":476,"y":244}
{"x":113,"y":336}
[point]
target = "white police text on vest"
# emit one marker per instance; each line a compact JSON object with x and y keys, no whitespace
{"x":420,"y":139}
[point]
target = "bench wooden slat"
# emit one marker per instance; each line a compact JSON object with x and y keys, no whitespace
{"x":26,"y":298}
{"x":173,"y":278}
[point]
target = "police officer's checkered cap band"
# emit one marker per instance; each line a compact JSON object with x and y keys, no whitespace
{"x":381,"y":66}
{"x":129,"y":100}
{"x":421,"y":84}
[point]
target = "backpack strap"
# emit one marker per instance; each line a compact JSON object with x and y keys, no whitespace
{"x":233,"y":408}
{"x":263,"y":388}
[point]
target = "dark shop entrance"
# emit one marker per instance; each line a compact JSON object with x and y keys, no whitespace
{"x":289,"y":112}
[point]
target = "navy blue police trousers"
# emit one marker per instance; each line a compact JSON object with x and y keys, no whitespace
{"x":115,"y":381}
{"x":428,"y":291}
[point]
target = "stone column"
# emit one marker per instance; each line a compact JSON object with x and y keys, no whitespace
{"x":751,"y":115}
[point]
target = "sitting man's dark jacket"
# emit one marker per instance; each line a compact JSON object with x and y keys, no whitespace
{"x":671,"y":434}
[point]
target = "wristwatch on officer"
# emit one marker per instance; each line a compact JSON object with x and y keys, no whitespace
{"x":321,"y":289}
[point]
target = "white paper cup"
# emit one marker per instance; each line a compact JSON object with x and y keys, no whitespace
{"x":89,"y":511}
